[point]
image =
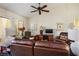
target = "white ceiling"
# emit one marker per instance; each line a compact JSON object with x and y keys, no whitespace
{"x":22,"y":9}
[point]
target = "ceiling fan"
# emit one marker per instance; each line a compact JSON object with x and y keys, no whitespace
{"x":39,"y":9}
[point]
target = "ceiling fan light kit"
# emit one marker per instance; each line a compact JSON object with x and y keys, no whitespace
{"x":39,"y":9}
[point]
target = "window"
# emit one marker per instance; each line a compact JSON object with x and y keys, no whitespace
{"x":5,"y":27}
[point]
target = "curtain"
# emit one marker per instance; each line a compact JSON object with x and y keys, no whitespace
{"x":2,"y":28}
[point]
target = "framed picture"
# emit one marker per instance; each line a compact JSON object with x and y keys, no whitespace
{"x":59,"y":26}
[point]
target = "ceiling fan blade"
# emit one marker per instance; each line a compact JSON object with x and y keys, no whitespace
{"x":43,"y":7}
{"x":34,"y":7}
{"x":45,"y":10}
{"x":39,"y":12}
{"x":34,"y":11}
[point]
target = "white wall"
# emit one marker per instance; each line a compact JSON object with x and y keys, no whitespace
{"x":59,"y":13}
{"x":13,"y":17}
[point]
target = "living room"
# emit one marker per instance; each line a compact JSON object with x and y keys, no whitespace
{"x":18,"y":18}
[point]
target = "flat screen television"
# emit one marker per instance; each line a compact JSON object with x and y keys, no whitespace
{"x":48,"y":30}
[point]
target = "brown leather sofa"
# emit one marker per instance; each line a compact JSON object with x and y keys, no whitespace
{"x":22,"y":48}
{"x":39,"y":48}
{"x":48,"y":48}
